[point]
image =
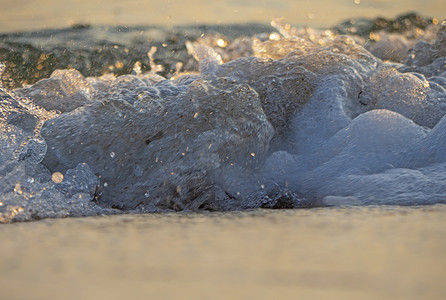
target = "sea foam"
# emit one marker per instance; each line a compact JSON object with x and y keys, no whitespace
{"x":297,"y":119}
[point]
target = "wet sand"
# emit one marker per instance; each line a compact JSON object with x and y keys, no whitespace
{"x":327,"y":253}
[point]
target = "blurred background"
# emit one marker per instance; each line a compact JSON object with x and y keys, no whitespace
{"x":24,"y":15}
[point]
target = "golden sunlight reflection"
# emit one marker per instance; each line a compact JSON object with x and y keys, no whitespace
{"x":274,"y":36}
{"x":222,"y":43}
{"x":57,"y":177}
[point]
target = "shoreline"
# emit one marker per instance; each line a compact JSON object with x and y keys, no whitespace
{"x":379,"y":252}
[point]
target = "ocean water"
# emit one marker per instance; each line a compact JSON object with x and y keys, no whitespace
{"x":126,"y":117}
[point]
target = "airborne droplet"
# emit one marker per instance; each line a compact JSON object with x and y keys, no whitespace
{"x":57,"y":177}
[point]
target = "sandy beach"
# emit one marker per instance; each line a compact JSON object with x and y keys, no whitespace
{"x":46,"y":14}
{"x":325,"y":253}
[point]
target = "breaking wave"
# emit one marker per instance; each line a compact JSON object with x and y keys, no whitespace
{"x":282,"y":119}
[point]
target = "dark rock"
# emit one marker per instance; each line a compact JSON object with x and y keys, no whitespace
{"x":78,"y":180}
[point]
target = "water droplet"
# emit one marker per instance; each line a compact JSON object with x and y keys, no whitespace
{"x":147,"y":194}
{"x":138,"y":171}
{"x":18,"y":188}
{"x":112,"y":154}
{"x":221,"y":43}
{"x":274,"y":36}
{"x":57,"y":177}
{"x":105,"y":184}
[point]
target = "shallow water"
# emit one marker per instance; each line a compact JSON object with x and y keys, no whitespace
{"x":336,"y":253}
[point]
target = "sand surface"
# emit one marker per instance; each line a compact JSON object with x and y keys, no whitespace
{"x":33,"y":15}
{"x":327,"y":253}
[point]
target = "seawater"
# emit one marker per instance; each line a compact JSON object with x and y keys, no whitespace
{"x":106,"y":120}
